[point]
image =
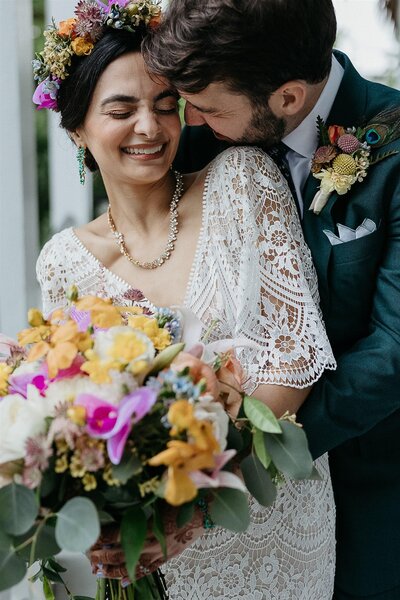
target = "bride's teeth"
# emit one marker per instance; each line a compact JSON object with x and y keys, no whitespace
{"x":143,"y":150}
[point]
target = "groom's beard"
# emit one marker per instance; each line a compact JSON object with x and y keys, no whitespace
{"x":264,"y":129}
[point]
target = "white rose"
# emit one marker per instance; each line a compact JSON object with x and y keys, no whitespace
{"x":209,"y":410}
{"x":68,"y":389}
{"x":19,"y":420}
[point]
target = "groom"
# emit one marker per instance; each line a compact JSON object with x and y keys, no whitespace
{"x":260,"y":72}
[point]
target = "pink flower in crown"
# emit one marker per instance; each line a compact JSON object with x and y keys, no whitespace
{"x":46,"y":93}
{"x":106,"y":6}
{"x":114,"y":423}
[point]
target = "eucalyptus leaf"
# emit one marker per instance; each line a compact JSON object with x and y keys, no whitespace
{"x":289,"y":451}
{"x":129,"y":466}
{"x":78,"y":525}
{"x":235,"y":439}
{"x":5,"y":541}
{"x":315,"y":474}
{"x":12,"y":568}
{"x":230,"y":509}
{"x":258,"y":480}
{"x":133,"y":535}
{"x":260,"y":449}
{"x":158,"y":530}
{"x":260,"y":415}
{"x":185,"y":514}
{"x":18,"y":509}
{"x":46,"y":544}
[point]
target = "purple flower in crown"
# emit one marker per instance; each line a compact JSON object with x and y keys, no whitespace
{"x":106,"y":6}
{"x":46,"y":93}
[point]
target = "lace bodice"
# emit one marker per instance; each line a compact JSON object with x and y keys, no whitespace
{"x":252,"y":277}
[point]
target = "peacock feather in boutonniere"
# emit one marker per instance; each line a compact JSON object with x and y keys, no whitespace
{"x":346,"y":154}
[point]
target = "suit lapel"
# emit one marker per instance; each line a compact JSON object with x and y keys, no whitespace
{"x":348,"y":110}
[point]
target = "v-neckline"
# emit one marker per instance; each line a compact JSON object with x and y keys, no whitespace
{"x":196,"y":257}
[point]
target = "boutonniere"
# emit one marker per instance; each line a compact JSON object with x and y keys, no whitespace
{"x":345,"y":156}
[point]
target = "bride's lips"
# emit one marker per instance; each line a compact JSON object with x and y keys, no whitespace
{"x":144,"y":152}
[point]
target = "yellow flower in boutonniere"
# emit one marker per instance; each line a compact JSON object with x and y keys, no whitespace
{"x":344,"y":156}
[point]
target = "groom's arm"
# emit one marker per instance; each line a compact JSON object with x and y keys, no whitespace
{"x":365,"y":388}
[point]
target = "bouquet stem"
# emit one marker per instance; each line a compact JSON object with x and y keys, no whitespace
{"x":151,"y":587}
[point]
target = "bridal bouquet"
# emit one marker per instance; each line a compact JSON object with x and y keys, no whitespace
{"x":105,"y":419}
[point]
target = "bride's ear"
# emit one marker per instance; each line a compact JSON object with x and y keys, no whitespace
{"x":289,"y":99}
{"x":77,"y":138}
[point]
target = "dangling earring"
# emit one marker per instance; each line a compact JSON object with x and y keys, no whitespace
{"x":80,"y":156}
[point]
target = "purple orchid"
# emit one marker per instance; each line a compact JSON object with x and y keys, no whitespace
{"x":114,"y":423}
{"x":45,"y":95}
{"x":107,"y":7}
{"x":19,"y":383}
{"x":218,"y":478}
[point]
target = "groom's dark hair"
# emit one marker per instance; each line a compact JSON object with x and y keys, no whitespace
{"x":253,"y":46}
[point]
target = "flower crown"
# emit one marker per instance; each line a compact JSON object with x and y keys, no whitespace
{"x":78,"y":36}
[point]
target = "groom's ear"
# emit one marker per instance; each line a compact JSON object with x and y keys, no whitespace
{"x":289,"y":99}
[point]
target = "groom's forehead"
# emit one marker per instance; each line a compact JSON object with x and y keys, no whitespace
{"x":215,"y":97}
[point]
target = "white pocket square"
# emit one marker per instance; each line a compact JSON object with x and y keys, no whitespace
{"x":346,"y":234}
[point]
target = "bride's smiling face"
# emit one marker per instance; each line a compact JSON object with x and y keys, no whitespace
{"x":132,"y":127}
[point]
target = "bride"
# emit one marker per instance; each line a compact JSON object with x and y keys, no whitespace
{"x":226,"y":243}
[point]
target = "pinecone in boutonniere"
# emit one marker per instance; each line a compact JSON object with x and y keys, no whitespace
{"x":345,"y":155}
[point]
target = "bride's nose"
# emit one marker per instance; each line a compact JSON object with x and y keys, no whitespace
{"x":147,"y":124}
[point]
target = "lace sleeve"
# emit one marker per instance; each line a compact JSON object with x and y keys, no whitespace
{"x":276,"y":295}
{"x":52,"y":275}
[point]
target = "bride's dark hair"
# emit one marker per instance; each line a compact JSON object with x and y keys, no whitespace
{"x":76,"y":91}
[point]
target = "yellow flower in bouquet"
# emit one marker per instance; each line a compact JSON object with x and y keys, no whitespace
{"x":102,"y":312}
{"x":62,"y":347}
{"x":5,"y":371}
{"x":160,"y":337}
{"x":181,"y":458}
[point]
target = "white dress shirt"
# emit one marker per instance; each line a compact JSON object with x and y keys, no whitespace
{"x":303,"y":140}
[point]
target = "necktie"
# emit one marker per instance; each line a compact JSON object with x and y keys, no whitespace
{"x":278,"y":155}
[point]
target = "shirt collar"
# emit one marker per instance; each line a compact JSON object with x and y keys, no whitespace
{"x":304,"y":139}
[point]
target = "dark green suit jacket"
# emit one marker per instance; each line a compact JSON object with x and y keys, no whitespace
{"x":354,"y":412}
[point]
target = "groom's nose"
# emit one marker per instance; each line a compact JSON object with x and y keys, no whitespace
{"x":193,"y":116}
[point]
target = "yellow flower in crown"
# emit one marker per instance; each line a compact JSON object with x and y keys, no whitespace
{"x":5,"y":371}
{"x":182,"y":458}
{"x":81,"y":46}
{"x":160,"y":337}
{"x":61,"y":348}
{"x":102,"y":312}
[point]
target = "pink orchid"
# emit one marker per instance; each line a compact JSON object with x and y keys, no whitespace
{"x":218,"y":478}
{"x":19,"y":383}
{"x":114,"y":423}
{"x":45,"y":95}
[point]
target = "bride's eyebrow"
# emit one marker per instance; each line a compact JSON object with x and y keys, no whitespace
{"x":133,"y":100}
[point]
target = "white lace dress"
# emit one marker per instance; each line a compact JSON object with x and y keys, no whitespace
{"x":252,"y":276}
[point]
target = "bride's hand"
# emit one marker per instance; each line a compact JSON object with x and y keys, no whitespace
{"x":107,"y":557}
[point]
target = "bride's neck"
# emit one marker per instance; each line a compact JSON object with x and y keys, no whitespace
{"x":140,"y":206}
